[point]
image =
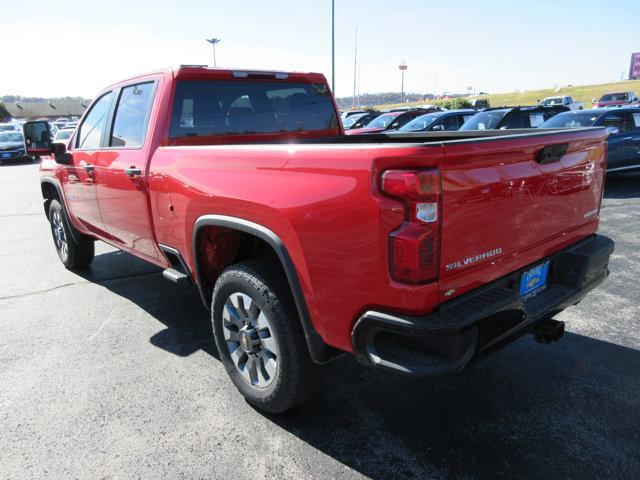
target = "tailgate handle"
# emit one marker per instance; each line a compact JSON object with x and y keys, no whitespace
{"x":551,"y":153}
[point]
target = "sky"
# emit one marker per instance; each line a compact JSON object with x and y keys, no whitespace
{"x":76,"y":48}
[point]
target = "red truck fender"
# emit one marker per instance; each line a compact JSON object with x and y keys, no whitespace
{"x":319,"y":351}
{"x":51,"y":190}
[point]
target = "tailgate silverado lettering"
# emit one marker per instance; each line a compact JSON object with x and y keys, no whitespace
{"x":474,"y":259}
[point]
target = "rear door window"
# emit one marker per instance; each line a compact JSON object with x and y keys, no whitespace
{"x":620,"y":120}
{"x":515,"y":119}
{"x":448,"y":123}
{"x":207,"y":108}
{"x":132,"y":115}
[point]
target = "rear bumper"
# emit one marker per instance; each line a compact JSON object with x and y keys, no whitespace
{"x":482,"y":320}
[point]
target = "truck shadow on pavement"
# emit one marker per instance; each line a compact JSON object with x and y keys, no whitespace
{"x":566,"y":410}
{"x":178,"y":307}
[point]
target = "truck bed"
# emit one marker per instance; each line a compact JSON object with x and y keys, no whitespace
{"x":438,"y":137}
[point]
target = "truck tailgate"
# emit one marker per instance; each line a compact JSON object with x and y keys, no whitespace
{"x":504,"y":207}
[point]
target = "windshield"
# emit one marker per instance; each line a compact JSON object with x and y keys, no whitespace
{"x":614,"y":97}
{"x":15,"y":136}
{"x":352,"y":119}
{"x":571,"y":120}
{"x":485,"y":120}
{"x":382,"y":121}
{"x":11,"y":137}
{"x":63,"y":134}
{"x":420,"y":123}
{"x":552,"y":101}
{"x":211,"y":107}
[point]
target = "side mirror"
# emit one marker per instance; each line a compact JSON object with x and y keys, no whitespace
{"x":613,"y":130}
{"x":437,"y":128}
{"x":60,"y":154}
{"x":37,"y":138}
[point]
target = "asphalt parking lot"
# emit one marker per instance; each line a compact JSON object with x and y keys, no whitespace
{"x":112,"y":373}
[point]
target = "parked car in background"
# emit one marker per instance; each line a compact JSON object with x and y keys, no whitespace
{"x":388,"y":121}
{"x":12,"y":146}
{"x":438,"y":121}
{"x":72,"y":124}
{"x":479,"y":103}
{"x":61,"y":122}
{"x":359,"y":120}
{"x":623,"y":125}
{"x":62,"y":135}
{"x":565,"y":101}
{"x":619,"y":98}
{"x":347,"y":113}
{"x":501,"y":118}
{"x":10,"y":127}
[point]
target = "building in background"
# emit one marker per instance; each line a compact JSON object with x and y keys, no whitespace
{"x":634,"y":67}
{"x":51,"y":109}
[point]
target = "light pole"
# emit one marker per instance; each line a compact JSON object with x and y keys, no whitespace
{"x":403,"y":68}
{"x":434,"y":83}
{"x":333,"y":46}
{"x":355,"y":63}
{"x":213,"y":42}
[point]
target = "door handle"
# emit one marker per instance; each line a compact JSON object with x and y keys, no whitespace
{"x":88,"y":168}
{"x":133,"y":172}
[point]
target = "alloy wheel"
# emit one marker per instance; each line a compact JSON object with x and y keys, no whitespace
{"x":59,"y":235}
{"x":248,"y":334}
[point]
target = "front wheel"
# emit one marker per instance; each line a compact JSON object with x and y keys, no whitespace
{"x":260,"y":339}
{"x":72,"y":254}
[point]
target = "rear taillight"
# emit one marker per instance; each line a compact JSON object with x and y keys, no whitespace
{"x":414,"y":247}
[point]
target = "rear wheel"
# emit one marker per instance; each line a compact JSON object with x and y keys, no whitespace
{"x":260,"y":339}
{"x":72,"y":254}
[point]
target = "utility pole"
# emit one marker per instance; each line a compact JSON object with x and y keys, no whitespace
{"x":434,"y":83}
{"x":213,"y":42}
{"x":403,"y":68}
{"x":333,"y":46}
{"x":355,"y":63}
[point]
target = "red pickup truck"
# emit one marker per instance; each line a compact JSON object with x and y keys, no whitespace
{"x":417,"y":252}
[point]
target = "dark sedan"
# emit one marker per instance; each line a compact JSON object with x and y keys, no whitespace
{"x":623,"y":124}
{"x":512,"y":117}
{"x":359,"y":120}
{"x":388,"y":121}
{"x":438,"y":121}
{"x":12,"y":146}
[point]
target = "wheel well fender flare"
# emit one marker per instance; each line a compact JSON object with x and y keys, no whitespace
{"x":46,"y":182}
{"x":318,"y":350}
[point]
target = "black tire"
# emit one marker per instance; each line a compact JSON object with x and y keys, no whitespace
{"x":73,"y":255}
{"x":296,"y":376}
